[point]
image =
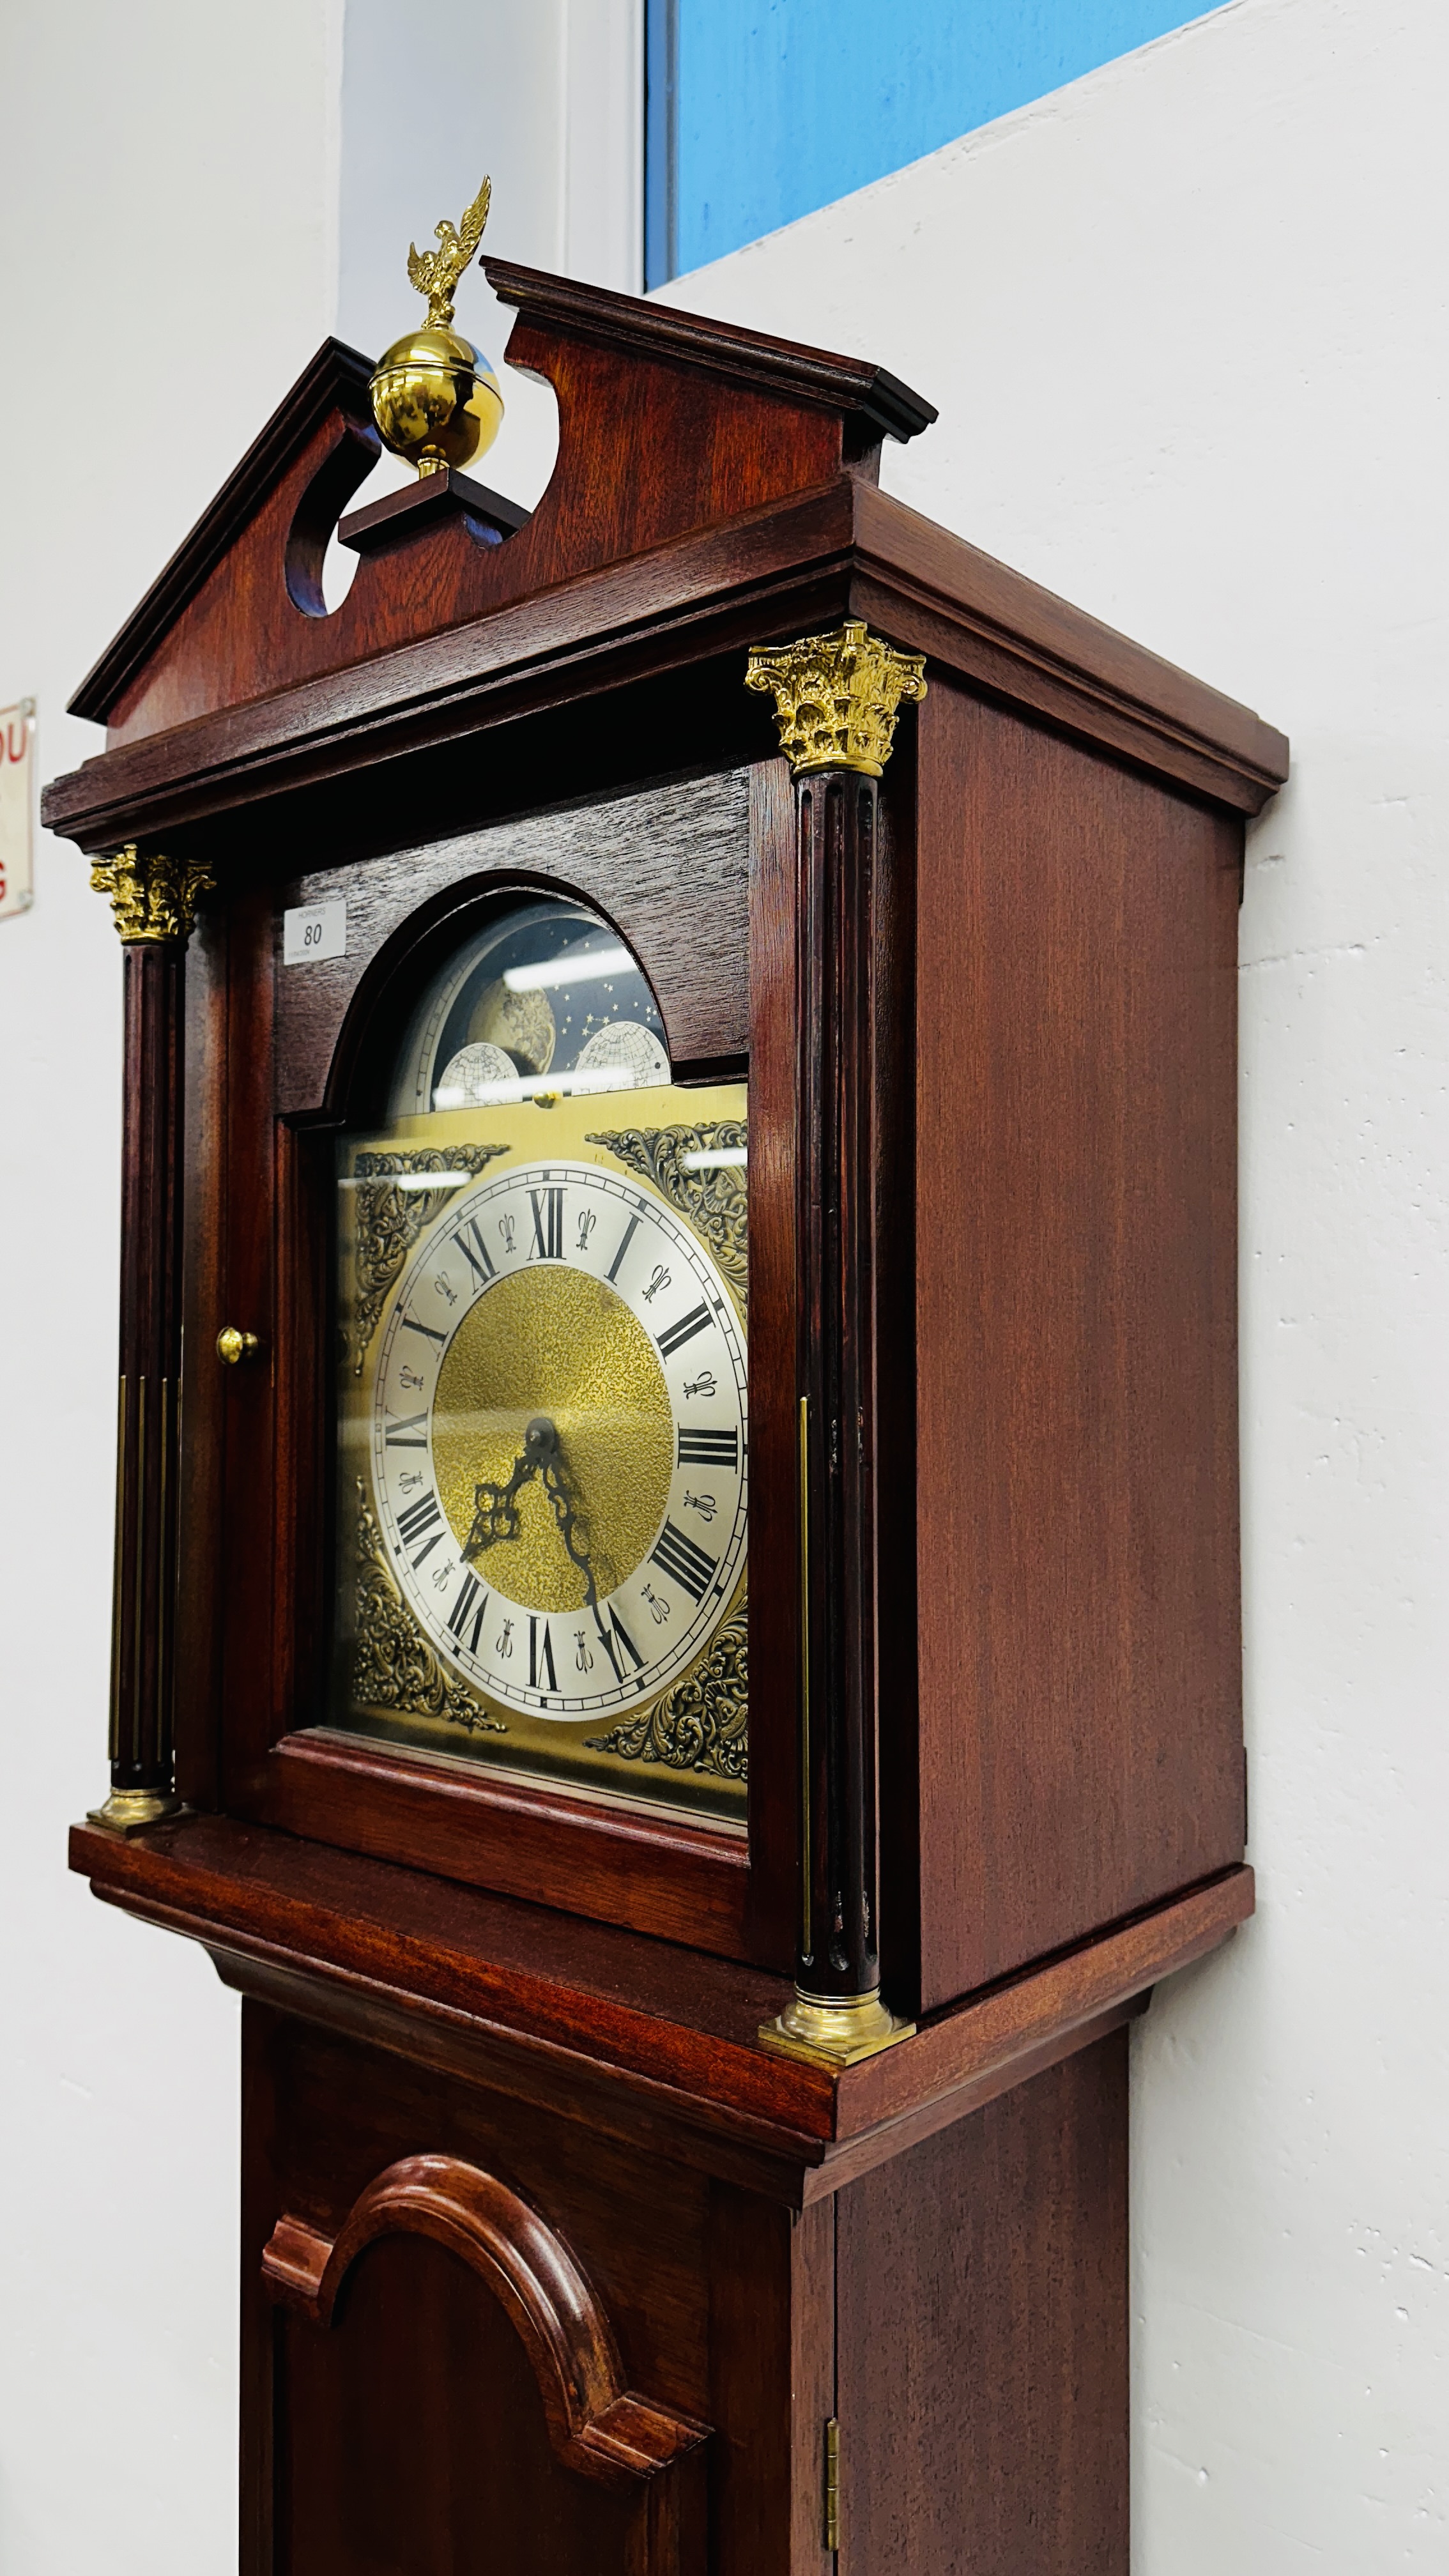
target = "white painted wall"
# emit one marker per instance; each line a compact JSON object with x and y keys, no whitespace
{"x":168,"y":227}
{"x":1185,"y":325}
{"x":548,"y":98}
{"x":177,"y":179}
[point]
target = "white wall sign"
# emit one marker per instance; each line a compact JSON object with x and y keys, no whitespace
{"x":313,"y":930}
{"x":17,"y":806}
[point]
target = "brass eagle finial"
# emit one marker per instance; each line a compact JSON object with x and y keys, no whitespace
{"x":435,"y":273}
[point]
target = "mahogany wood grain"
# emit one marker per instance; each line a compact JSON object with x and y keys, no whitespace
{"x":624,"y":855}
{"x":261,"y":2206}
{"x":253,"y":1648}
{"x":1019,"y":2022}
{"x":413,"y":2437}
{"x":982,"y":2337}
{"x":605,"y":2254}
{"x":652,"y":444}
{"x":871,"y":401}
{"x":746,"y":2153}
{"x":596,"y":2424}
{"x":986,"y":623}
{"x":1081,"y":1737}
{"x":1004,"y":1218}
{"x":336,"y":1028}
{"x":347,"y":2113}
{"x":836,"y":1327}
{"x":855,"y":1330}
{"x":335,"y":379}
{"x":961,"y":2309}
{"x":774,"y":1603}
{"x":889,"y":1047}
{"x":772,"y":2380}
{"x":661,"y":622}
{"x":570,"y":2003}
{"x":199,"y":1559}
{"x":814,"y":2384}
{"x":443,"y":494}
{"x":590,"y":669}
{"x":374,"y":2458}
{"x":654,"y":1871}
{"x":302,"y":1540}
{"x":143,"y":1628}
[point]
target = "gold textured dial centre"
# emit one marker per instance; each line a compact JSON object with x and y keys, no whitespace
{"x":557,"y":1343}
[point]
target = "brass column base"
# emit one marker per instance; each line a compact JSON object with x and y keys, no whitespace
{"x":837,"y":2030}
{"x":129,"y":1811}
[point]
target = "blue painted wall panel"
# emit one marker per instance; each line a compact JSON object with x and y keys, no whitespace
{"x":761,"y":110}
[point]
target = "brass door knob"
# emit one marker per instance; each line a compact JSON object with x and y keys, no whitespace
{"x":232,"y":1345}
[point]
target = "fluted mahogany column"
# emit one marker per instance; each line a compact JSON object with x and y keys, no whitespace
{"x":154,"y":900}
{"x":836,"y":701}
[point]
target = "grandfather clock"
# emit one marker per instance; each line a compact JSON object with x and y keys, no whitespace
{"x":676,"y":1602}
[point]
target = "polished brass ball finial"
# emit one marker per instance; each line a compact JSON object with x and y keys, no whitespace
{"x":435,"y":397}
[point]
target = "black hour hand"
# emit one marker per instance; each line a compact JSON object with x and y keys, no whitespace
{"x":495,"y":1514}
{"x":495,"y":1507}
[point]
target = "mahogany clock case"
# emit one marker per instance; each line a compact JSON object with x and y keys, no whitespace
{"x":958,"y":2312}
{"x":1059,"y":1651}
{"x":314,"y":1031}
{"x":1044,"y":1039}
{"x":543,"y":2250}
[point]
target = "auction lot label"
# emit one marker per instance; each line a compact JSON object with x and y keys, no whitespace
{"x":17,"y":805}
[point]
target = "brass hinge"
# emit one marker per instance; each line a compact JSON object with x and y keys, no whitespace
{"x":832,"y":2485}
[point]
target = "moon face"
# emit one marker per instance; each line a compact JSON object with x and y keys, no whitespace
{"x":628,"y":1048}
{"x":470,"y":1079}
{"x":522,"y":1024}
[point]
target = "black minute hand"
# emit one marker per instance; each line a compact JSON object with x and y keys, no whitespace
{"x":495,"y":1507}
{"x":572,"y":1528}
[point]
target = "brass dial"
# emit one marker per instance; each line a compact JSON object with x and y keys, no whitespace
{"x":558,"y":1437}
{"x":556,"y":1344}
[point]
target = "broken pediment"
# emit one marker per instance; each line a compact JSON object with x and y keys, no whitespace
{"x":668,"y":424}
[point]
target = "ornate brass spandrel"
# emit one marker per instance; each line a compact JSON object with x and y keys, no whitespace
{"x":393,"y":1665}
{"x":837,"y":696}
{"x":712,"y":1200}
{"x":435,"y":273}
{"x":389,"y":1220}
{"x":153,"y":898}
{"x":702,"y":1724}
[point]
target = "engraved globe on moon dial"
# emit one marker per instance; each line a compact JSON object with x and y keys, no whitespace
{"x":559,"y":1441}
